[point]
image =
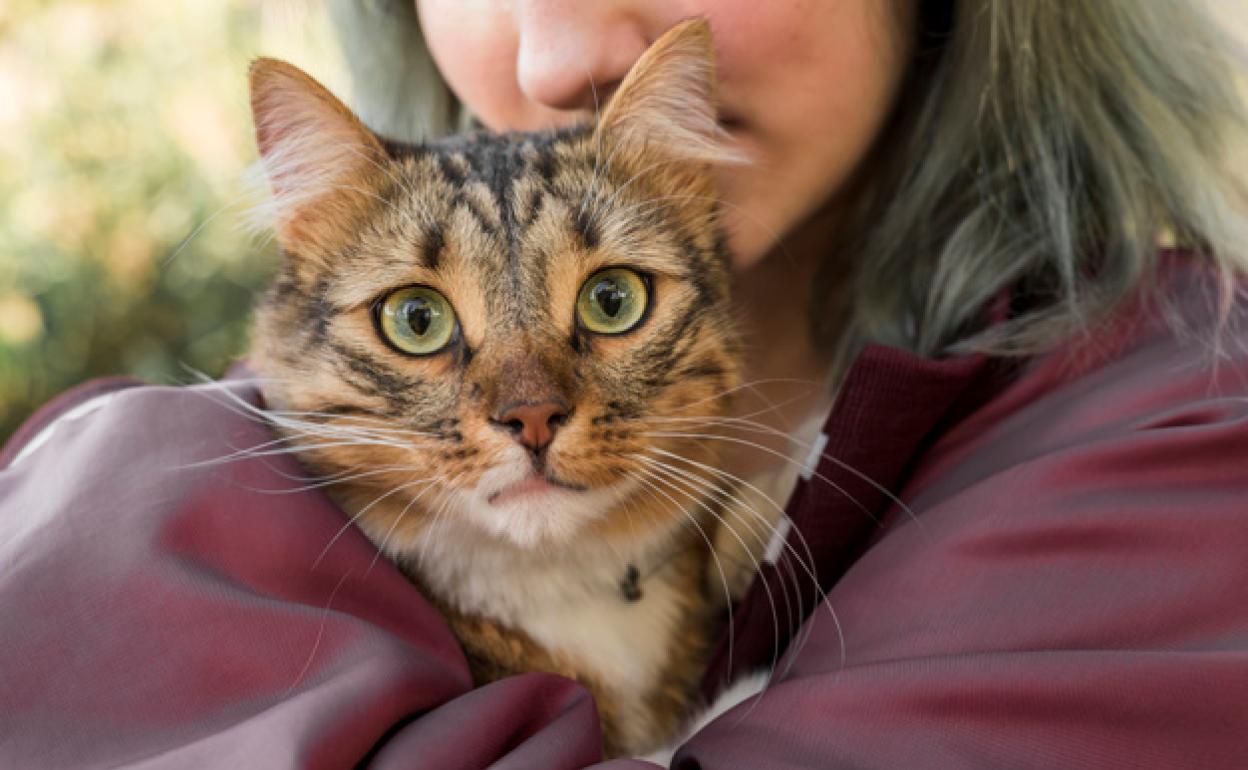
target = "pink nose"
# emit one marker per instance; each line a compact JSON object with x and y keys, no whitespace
{"x":534,"y":424}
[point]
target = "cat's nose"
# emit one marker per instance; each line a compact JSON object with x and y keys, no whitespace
{"x":534,"y":424}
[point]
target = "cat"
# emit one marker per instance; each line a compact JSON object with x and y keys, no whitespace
{"x":498,"y":346}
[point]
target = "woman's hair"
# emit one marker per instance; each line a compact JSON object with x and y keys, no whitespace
{"x":1040,"y":147}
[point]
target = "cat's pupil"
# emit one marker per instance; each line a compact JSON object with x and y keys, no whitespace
{"x":609,"y":297}
{"x":419,"y":315}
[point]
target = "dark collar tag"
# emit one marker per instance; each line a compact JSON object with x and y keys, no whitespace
{"x":630,"y":587}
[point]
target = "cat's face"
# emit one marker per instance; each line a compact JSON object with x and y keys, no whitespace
{"x":505,"y":333}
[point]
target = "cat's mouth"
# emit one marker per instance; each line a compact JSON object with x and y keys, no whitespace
{"x":533,"y":484}
{"x":530,"y":506}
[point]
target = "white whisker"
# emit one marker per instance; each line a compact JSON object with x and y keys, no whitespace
{"x":705,"y":487}
{"x":381,"y":547}
{"x":648,"y":479}
{"x":361,"y":512}
{"x":728,"y":598}
{"x":807,"y":564}
{"x":768,"y":450}
{"x":759,"y":427}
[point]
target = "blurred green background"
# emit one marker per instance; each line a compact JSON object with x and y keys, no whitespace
{"x":124,"y":135}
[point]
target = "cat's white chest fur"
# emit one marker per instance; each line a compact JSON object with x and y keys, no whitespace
{"x":571,"y":604}
{"x":626,"y":642}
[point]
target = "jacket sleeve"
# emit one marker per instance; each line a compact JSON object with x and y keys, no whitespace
{"x":170,"y":600}
{"x":1073,"y":592}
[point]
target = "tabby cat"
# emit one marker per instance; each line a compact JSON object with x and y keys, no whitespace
{"x":492,"y":343}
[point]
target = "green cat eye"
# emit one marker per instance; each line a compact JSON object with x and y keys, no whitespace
{"x":417,"y":320}
{"x":612,"y":301}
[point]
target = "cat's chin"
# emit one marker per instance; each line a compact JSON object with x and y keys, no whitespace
{"x":515,"y":505}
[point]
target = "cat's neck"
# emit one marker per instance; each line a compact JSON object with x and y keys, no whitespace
{"x":483,"y":575}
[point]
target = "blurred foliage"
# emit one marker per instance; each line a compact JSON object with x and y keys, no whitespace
{"x":124,"y":134}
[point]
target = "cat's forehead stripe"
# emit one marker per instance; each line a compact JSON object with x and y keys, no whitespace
{"x":511,"y":168}
{"x":503,"y":184}
{"x":482,"y":203}
{"x":431,"y":248}
{"x":527,"y":195}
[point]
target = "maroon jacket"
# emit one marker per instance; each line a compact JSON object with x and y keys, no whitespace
{"x":1067,"y":587}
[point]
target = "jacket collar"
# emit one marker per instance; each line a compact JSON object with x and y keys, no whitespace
{"x":891,"y":406}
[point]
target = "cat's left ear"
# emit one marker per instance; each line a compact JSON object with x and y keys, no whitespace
{"x":667,"y":103}
{"x":317,"y":156}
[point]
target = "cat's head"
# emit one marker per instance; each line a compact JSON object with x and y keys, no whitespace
{"x":512,"y":334}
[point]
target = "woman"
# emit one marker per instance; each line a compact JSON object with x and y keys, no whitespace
{"x":1029,"y":510}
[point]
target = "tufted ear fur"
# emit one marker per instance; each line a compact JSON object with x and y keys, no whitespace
{"x":316,"y":155}
{"x":667,"y":101}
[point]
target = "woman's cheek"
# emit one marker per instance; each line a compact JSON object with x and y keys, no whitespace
{"x":812,"y":92}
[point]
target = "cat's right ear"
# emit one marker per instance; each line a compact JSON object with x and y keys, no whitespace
{"x":666,"y":103}
{"x":316,"y":155}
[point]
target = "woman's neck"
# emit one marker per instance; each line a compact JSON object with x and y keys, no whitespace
{"x":788,"y":376}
